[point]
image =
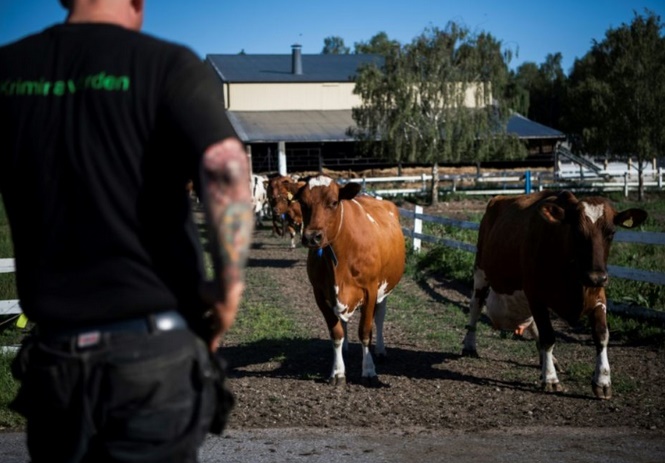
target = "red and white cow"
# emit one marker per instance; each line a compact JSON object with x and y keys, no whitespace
{"x":356,"y":257}
{"x":542,"y":251}
{"x":286,"y":212}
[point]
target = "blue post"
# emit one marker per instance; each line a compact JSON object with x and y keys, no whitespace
{"x":527,"y":182}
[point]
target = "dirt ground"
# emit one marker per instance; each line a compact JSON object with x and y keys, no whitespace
{"x":434,"y":405}
{"x":428,"y":394}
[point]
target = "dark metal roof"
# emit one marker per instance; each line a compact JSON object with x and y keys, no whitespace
{"x":329,"y":126}
{"x":526,"y":128}
{"x":291,"y":126}
{"x":277,"y":68}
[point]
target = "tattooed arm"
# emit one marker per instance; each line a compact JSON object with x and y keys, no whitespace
{"x":227,"y":200}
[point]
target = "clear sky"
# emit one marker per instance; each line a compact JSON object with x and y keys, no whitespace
{"x":531,"y":28}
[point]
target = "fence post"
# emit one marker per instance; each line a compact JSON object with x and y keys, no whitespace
{"x":417,"y":228}
{"x":625,"y":183}
{"x":660,"y":178}
{"x":527,"y":182}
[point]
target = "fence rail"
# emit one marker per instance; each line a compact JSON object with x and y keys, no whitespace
{"x":649,"y":238}
{"x":517,"y":182}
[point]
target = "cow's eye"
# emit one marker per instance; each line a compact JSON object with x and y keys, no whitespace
{"x":333,"y":204}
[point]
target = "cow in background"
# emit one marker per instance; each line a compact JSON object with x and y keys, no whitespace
{"x":257,"y":185}
{"x":286,"y":212}
{"x":356,"y":257}
{"x":542,"y":251}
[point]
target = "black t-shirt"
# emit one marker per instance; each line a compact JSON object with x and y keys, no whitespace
{"x":100,"y":129}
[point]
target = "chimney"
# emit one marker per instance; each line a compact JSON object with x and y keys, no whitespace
{"x":296,"y":59}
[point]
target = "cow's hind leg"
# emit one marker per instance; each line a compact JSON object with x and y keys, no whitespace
{"x":379,"y":317}
{"x":369,"y":376}
{"x":601,"y":383}
{"x":480,"y":292}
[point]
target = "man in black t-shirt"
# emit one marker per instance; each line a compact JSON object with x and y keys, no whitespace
{"x":101,"y":127}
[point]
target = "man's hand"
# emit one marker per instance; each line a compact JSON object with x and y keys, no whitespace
{"x":227,"y":200}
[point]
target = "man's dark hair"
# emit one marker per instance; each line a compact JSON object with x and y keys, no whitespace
{"x":66,"y":4}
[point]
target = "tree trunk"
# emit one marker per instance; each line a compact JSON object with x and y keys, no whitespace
{"x":435,"y":184}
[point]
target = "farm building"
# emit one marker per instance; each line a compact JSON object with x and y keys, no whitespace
{"x":293,"y":111}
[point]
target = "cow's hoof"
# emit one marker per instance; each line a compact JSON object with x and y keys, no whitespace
{"x":371,"y":381}
{"x":470,"y":353}
{"x":602,"y":392}
{"x":337,"y":380}
{"x":553,"y":387}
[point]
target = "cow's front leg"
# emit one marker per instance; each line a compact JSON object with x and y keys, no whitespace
{"x":292,"y":233}
{"x":601,"y":383}
{"x":548,"y":377}
{"x":336,"y":330}
{"x":480,"y":292}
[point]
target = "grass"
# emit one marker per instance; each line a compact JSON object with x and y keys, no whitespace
{"x":8,"y":389}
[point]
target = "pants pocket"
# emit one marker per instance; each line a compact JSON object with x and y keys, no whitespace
{"x":50,"y":380}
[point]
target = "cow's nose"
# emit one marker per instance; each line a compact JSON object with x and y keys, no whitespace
{"x":597,"y":279}
{"x":312,"y":238}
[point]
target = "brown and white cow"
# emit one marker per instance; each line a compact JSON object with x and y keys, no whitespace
{"x":286,"y":212}
{"x":356,"y":257}
{"x":541,"y":251}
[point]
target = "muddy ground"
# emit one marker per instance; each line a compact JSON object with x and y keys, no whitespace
{"x":429,"y":395}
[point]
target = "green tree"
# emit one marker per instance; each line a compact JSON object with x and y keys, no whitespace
{"x":380,"y":44}
{"x":617,"y":92}
{"x":546,"y":87}
{"x":334,"y":45}
{"x":432,"y":101}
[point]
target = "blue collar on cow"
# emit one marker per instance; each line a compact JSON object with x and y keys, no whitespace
{"x":331,"y":251}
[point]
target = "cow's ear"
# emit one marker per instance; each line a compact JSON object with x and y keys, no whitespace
{"x":630,"y":218}
{"x":552,"y":213}
{"x":300,"y":186}
{"x":349,"y":191}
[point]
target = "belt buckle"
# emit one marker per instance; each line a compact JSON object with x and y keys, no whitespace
{"x":89,"y":339}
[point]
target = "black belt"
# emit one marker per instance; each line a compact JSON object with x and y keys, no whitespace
{"x":91,"y":335}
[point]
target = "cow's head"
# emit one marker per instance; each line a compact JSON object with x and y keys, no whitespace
{"x":590,"y":225}
{"x":280,"y":193}
{"x":323,"y":213}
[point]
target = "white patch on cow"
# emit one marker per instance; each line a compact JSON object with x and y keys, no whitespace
{"x":593,"y":212}
{"x":382,"y":294}
{"x":508,"y":311}
{"x":369,"y":371}
{"x":338,"y":370}
{"x":342,"y":311}
{"x":479,"y":278}
{"x":319,"y":181}
{"x":369,"y":217}
{"x":549,"y":372}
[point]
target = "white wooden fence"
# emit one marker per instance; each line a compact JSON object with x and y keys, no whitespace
{"x":650,"y":238}
{"x":516,"y":182}
{"x":12,"y":306}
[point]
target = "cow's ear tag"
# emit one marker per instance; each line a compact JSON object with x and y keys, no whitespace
{"x":628,"y":223}
{"x":290,"y":196}
{"x":319,"y":252}
{"x":22,"y":321}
